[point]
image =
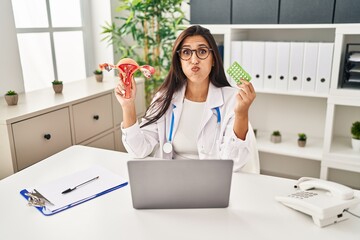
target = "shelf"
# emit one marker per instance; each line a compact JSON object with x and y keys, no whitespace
{"x":325,"y":117}
{"x":289,"y":147}
{"x":293,"y":93}
{"x":349,"y":97}
{"x":341,"y":149}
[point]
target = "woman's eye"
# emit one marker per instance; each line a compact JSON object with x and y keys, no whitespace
{"x":186,"y":52}
{"x":202,"y":51}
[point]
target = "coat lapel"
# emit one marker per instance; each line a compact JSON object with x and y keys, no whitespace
{"x":214,"y":99}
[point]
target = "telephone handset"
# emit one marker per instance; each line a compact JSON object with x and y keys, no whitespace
{"x":324,"y":200}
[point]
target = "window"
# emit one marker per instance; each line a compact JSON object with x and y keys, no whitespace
{"x":51,"y":41}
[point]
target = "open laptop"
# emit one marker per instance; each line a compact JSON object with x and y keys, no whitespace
{"x":168,"y":184}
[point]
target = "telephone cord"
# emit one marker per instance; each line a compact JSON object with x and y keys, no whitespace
{"x":355,"y":215}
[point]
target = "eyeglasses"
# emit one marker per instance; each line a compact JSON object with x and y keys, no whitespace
{"x":186,"y":53}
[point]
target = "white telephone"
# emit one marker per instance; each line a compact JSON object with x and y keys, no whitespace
{"x":325,"y":201}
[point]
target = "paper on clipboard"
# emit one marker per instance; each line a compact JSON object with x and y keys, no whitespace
{"x":52,"y":191}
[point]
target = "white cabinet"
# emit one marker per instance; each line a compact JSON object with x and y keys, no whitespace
{"x":325,"y":115}
{"x":44,"y":123}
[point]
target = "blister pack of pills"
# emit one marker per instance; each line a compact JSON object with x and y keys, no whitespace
{"x":236,"y":72}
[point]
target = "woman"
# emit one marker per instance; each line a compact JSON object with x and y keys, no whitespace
{"x":195,"y":113}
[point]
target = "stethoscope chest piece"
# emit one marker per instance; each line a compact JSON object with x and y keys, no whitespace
{"x":167,"y":148}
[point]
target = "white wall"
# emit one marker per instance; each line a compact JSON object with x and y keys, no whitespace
{"x":10,"y":66}
{"x":103,"y":52}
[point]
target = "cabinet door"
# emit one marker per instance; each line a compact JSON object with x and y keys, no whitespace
{"x":40,"y":137}
{"x":92,"y":117}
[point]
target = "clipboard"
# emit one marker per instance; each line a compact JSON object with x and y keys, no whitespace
{"x":55,"y":201}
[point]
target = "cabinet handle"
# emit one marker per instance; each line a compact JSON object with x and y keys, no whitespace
{"x":96,"y":117}
{"x":47,"y":136}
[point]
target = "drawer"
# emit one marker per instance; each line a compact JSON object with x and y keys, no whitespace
{"x":41,"y":136}
{"x":92,"y":117}
{"x":105,"y":142}
{"x":118,"y":141}
{"x":118,"y":113}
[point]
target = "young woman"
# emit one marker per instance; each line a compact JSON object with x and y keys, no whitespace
{"x":195,"y":113}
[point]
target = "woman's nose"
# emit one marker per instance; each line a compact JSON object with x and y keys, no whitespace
{"x":194,"y":58}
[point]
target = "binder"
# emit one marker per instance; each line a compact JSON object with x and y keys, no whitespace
{"x":282,"y":66}
{"x":310,"y":66}
{"x":296,"y":65}
{"x":246,"y":56}
{"x":257,"y":64}
{"x":270,"y":65}
{"x":56,"y":200}
{"x":236,"y":53}
{"x":323,"y":75}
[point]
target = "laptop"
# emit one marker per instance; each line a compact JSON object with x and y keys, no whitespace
{"x":175,"y":184}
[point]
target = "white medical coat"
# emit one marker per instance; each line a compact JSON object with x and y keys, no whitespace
{"x":215,"y":140}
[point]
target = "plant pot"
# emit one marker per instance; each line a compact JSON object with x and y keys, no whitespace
{"x":58,"y":88}
{"x":275,"y":139}
{"x":12,"y":99}
{"x":301,"y":143}
{"x":355,"y":144}
{"x":99,"y":77}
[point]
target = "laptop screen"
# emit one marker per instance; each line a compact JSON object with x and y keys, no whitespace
{"x":168,"y":184}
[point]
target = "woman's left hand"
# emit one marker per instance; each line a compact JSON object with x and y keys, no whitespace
{"x":244,"y":98}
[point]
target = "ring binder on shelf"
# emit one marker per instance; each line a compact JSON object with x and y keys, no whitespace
{"x":49,"y":199}
{"x":351,"y":67}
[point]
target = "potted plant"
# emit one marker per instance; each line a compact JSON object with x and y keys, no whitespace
{"x":57,"y":86}
{"x":152,"y":27}
{"x":11,"y":97}
{"x":275,"y":137}
{"x":98,"y":75}
{"x":355,"y":132}
{"x":302,"y":139}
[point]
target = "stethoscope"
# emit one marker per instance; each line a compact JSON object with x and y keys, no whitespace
{"x":167,"y":147}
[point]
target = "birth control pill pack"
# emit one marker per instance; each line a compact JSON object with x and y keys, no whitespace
{"x":236,"y":72}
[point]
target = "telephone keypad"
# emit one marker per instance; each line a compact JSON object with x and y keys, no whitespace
{"x":303,"y":194}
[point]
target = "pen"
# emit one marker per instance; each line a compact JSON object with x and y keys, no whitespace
{"x":81,"y":184}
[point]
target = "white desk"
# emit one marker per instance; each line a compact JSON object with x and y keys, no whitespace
{"x":253,"y":213}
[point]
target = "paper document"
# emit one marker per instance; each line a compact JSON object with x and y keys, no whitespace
{"x":355,"y":57}
{"x":85,"y":185}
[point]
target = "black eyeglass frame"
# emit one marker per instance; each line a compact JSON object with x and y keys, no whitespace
{"x":194,"y":50}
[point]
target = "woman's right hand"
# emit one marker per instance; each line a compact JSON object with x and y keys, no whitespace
{"x":120,"y":93}
{"x":127,"y":104}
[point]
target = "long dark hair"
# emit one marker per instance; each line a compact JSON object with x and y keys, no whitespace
{"x":176,"y":78}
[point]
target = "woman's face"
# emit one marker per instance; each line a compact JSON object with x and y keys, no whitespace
{"x":198,"y":66}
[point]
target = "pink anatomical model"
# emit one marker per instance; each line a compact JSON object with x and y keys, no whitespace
{"x":127,"y":67}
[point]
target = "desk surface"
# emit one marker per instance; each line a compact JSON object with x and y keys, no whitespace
{"x":253,"y":213}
